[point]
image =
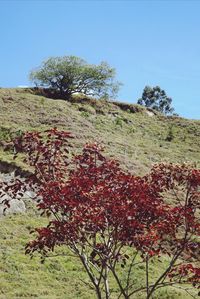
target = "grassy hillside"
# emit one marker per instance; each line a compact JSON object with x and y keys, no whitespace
{"x":57,"y":278}
{"x":130,"y":133}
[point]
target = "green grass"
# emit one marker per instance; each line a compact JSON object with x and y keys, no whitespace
{"x":22,"y":277}
{"x":129,"y":135}
{"x":59,"y":277}
{"x":136,"y":139}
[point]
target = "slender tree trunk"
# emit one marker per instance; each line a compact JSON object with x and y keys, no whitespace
{"x":147,"y":275}
{"x":91,"y":276}
{"x":106,"y":283}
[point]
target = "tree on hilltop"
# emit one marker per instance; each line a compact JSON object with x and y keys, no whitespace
{"x":71,"y":74}
{"x":156,"y":98}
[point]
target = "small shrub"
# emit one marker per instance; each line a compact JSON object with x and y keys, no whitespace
{"x":131,"y":130}
{"x":170,"y":134}
{"x":85,"y":114}
{"x":119,"y":121}
{"x":4,"y":134}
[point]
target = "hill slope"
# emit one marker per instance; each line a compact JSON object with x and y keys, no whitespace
{"x":130,"y":133}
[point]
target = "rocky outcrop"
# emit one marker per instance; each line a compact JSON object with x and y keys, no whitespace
{"x":16,"y":205}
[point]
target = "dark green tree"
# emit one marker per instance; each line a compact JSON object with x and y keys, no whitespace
{"x":71,"y":74}
{"x":156,"y":98}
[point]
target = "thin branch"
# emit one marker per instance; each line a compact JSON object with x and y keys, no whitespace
{"x":129,"y":272}
{"x":147,"y":274}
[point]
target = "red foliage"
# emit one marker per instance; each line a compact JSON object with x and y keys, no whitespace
{"x":93,"y":203}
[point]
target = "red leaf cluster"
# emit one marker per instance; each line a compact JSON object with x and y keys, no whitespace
{"x":93,"y":203}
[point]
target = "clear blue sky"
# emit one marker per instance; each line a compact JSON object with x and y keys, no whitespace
{"x":148,"y":42}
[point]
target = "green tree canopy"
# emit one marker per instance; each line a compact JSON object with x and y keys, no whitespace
{"x":156,"y":98}
{"x":71,"y":74}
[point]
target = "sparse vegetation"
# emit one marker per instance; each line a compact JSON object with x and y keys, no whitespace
{"x":26,"y":112}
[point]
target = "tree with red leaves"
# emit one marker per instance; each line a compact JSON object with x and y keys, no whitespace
{"x":113,"y":221}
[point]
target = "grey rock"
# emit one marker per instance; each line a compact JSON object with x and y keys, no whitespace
{"x":16,"y":206}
